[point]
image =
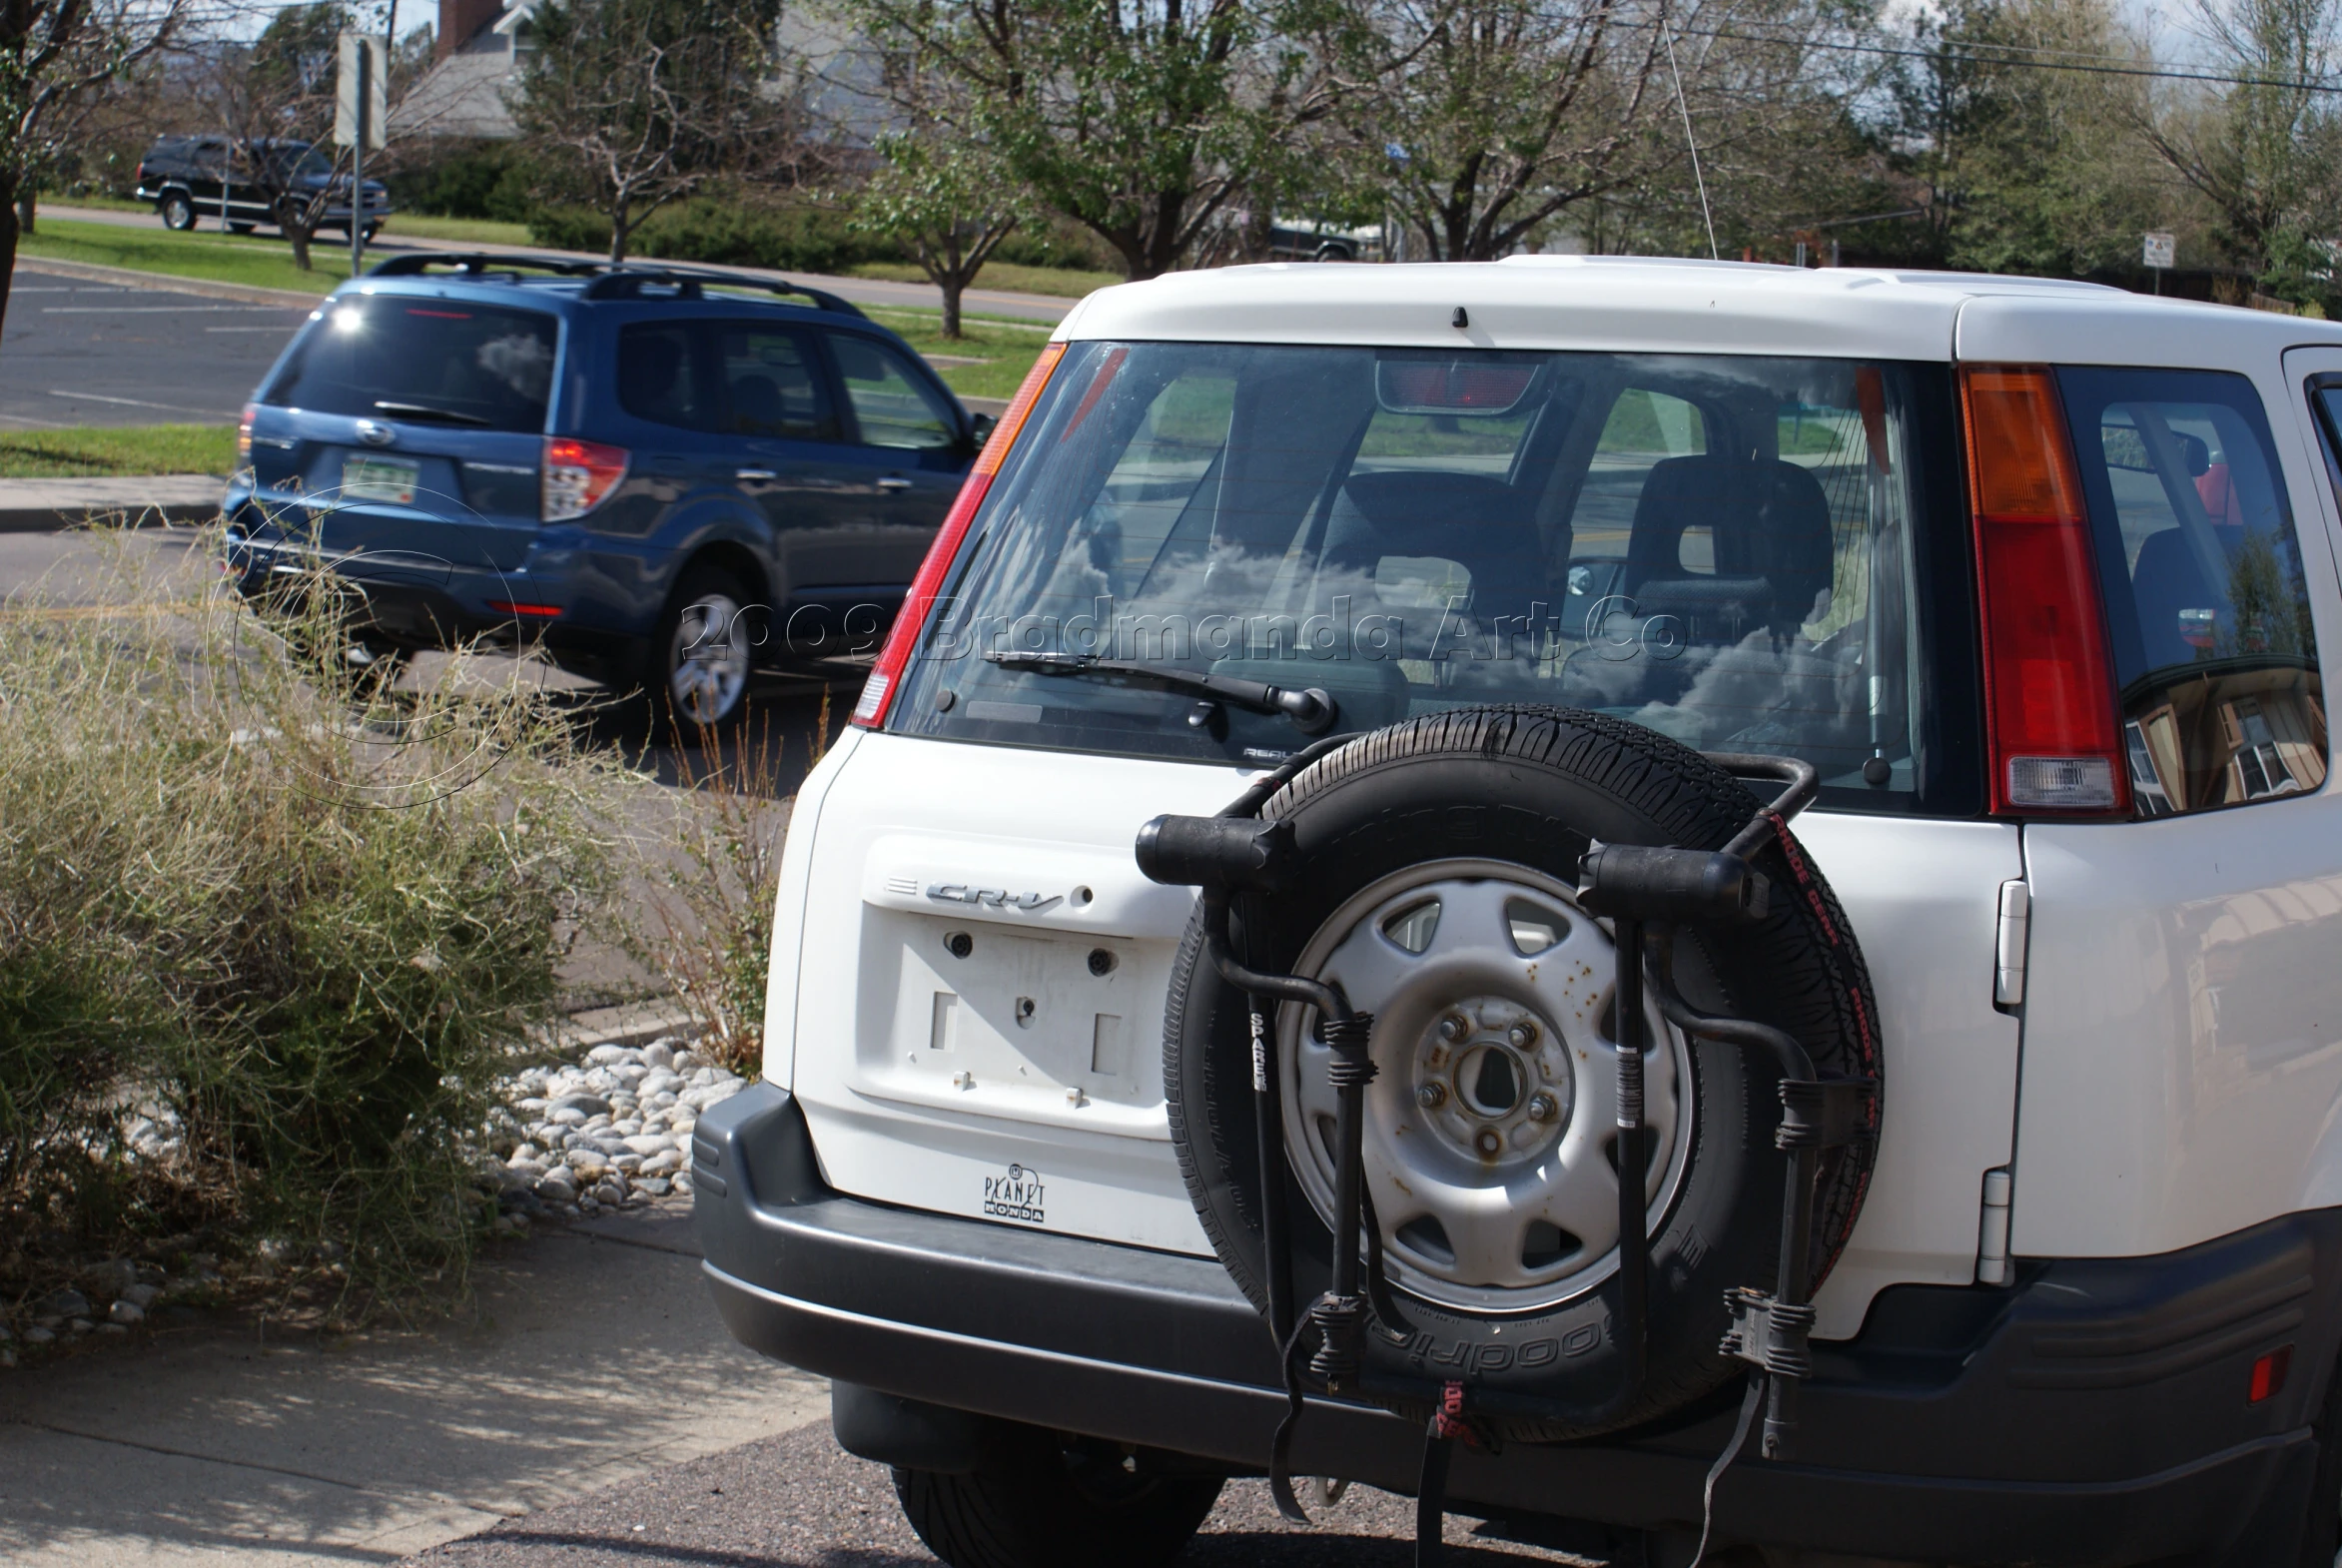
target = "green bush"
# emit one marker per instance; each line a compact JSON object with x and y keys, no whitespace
{"x":490,"y":180}
{"x":720,"y":232}
{"x":300,"y":926}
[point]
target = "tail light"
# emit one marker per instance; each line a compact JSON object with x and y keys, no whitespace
{"x":2050,"y":720}
{"x":243,"y":432}
{"x":871,"y":710}
{"x":578,"y":477}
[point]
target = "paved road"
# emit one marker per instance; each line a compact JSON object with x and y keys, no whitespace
{"x":77,"y":352}
{"x":863,"y":291}
{"x":796,"y":1501}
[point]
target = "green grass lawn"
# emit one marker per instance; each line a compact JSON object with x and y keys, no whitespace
{"x":95,"y":450}
{"x":218,"y":258}
{"x":1059,"y":280}
{"x":477,"y":231}
{"x":987,"y":360}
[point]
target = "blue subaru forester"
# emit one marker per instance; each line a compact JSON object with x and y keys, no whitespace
{"x":663,"y":476}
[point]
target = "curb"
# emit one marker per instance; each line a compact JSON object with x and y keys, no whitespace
{"x":631,"y":1025}
{"x":62,"y":519}
{"x":171,"y":283}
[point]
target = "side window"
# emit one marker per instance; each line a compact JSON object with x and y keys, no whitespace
{"x":2207,"y":606}
{"x":892,"y":406}
{"x":656,"y":380}
{"x":772,"y":387}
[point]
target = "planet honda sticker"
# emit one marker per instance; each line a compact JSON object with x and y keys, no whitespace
{"x":1015,"y":1196}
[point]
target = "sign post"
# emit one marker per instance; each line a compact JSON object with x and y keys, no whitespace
{"x":2161,"y":254}
{"x":361,"y":108}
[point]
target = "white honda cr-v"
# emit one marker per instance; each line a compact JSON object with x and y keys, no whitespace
{"x":1470,"y":878}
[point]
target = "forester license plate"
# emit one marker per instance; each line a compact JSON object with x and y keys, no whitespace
{"x":390,"y":480}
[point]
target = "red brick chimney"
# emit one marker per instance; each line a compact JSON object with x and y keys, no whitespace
{"x":459,"y":20}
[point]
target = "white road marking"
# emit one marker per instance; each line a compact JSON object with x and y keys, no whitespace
{"x":140,"y":402}
{"x":271,"y":330}
{"x":162,"y":309}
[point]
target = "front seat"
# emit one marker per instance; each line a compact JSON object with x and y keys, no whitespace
{"x":1768,"y":525}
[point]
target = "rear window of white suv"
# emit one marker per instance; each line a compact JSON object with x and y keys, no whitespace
{"x":1747,"y":553}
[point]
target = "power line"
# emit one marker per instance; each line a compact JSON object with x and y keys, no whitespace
{"x":1955,"y":52}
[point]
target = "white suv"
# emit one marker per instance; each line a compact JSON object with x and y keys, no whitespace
{"x":1985,"y":1127}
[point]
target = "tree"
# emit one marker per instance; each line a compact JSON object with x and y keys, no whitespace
{"x":1143,"y":120}
{"x":2017,"y":166}
{"x":283,"y":88}
{"x":2264,"y":152}
{"x":948,"y":203}
{"x":1488,"y":117}
{"x":636,"y":103}
{"x":53,"y":53}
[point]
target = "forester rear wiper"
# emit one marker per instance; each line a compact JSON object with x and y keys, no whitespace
{"x":1312,"y":709}
{"x":424,"y":410}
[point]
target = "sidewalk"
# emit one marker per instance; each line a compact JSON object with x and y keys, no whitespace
{"x":45,"y":506}
{"x":592,"y":1357}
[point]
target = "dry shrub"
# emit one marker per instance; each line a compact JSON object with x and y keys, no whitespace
{"x":297,"y":925}
{"x":706,"y":926}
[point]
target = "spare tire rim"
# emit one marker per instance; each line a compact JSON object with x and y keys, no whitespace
{"x":709,"y":659}
{"x":1491,"y":1125}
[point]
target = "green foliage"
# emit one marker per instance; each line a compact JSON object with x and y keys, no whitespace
{"x":726,"y":231}
{"x":96,"y":449}
{"x":299,"y":52}
{"x":631,"y":104}
{"x":1144,"y":124}
{"x":304,"y":926}
{"x":490,"y":180}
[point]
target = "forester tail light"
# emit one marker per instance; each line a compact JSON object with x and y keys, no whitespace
{"x":871,"y":710}
{"x":2268,"y":1375}
{"x":243,"y":432}
{"x":2048,"y":684}
{"x":578,"y":476}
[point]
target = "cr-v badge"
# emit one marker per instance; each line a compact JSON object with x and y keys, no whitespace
{"x":998,"y":898}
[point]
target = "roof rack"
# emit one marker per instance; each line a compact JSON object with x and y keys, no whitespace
{"x":474,"y":264}
{"x":626,"y":281}
{"x":611,"y":280}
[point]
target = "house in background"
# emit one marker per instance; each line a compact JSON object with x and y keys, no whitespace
{"x":478,"y":49}
{"x":481,"y":45}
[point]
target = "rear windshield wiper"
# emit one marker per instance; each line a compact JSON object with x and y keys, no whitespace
{"x":424,"y":410}
{"x":1312,"y":709}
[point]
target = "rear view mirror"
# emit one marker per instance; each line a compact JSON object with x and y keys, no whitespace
{"x":980,"y":428}
{"x":1475,"y":386}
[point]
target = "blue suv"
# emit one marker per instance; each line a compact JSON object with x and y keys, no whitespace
{"x":663,"y":476}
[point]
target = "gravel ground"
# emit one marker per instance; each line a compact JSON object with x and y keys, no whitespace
{"x":797,"y":1501}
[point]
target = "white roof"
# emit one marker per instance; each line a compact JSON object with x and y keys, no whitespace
{"x":1632,"y":304}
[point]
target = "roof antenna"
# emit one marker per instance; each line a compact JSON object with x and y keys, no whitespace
{"x":1667,"y":32}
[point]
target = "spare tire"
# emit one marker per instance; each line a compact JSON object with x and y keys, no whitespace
{"x":1435,"y":872}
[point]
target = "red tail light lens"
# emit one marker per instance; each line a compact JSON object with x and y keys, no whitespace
{"x":2268,"y":1375}
{"x":578,"y":476}
{"x":871,"y":710}
{"x":243,"y":432}
{"x":2050,"y":706}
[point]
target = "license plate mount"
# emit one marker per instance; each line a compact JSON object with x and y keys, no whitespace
{"x":369,"y":479}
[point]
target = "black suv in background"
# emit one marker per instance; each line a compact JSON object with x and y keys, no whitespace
{"x":245,"y":184}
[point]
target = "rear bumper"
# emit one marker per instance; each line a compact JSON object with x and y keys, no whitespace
{"x":2093,"y":1413}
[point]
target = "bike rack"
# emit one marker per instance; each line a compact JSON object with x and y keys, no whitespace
{"x":1648,"y":893}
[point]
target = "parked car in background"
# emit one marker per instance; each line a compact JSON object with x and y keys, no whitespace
{"x":244,"y":184}
{"x":661,"y":476}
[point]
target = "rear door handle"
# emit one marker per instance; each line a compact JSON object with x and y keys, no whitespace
{"x":894,"y":482}
{"x":755,"y":473}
